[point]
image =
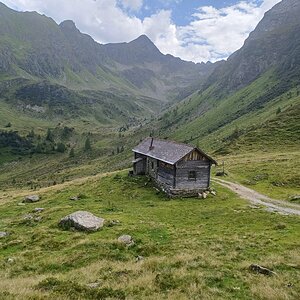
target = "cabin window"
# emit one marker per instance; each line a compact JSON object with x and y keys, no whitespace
{"x":152,"y":165}
{"x":192,"y":175}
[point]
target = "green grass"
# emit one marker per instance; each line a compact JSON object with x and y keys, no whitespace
{"x":275,"y":174}
{"x":192,"y":248}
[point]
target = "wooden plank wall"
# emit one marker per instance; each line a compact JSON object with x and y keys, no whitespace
{"x":202,"y":169}
{"x":152,"y":167}
{"x":140,"y":167}
{"x":166,"y":173}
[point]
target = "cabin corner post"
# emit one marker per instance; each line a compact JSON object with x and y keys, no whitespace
{"x":209,"y":174}
{"x":174,"y":179}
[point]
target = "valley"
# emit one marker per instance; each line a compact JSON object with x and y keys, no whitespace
{"x":72,"y":110}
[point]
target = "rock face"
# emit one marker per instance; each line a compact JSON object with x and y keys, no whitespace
{"x":31,"y":199}
{"x":3,"y":234}
{"x":126,"y":240}
{"x":82,"y":220}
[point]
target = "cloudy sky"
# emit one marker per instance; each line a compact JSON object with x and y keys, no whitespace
{"x":197,"y":30}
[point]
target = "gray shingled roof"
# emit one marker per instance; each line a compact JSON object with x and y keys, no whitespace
{"x":166,"y":151}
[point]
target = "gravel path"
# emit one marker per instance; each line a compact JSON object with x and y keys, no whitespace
{"x":272,"y":205}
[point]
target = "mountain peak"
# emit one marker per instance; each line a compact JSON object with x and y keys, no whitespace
{"x":143,"y":39}
{"x":68,"y":24}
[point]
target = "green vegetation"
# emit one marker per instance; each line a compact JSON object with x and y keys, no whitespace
{"x":191,"y":247}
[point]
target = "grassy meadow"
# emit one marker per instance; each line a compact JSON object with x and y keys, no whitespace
{"x":275,"y":174}
{"x":191,"y":248}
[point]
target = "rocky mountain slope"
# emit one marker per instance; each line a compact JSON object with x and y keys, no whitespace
{"x":257,"y":86}
{"x":62,"y":64}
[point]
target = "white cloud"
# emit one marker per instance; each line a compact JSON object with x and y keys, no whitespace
{"x":133,"y":5}
{"x":212,"y":34}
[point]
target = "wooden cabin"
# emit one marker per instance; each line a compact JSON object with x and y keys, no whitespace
{"x":179,"y":169}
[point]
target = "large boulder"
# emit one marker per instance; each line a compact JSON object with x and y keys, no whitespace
{"x":82,"y":220}
{"x":31,"y":199}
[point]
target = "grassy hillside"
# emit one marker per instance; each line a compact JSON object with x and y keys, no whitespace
{"x":214,"y":120}
{"x":191,"y":248}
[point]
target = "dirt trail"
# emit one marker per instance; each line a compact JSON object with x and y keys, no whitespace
{"x":257,"y":198}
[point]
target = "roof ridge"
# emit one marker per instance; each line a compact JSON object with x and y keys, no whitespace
{"x":172,"y":141}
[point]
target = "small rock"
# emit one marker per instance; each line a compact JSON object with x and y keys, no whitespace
{"x":31,"y":199}
{"x":294,"y":198}
{"x":3,"y":234}
{"x":82,"y":220}
{"x":75,"y":198}
{"x":112,"y":223}
{"x":10,"y":260}
{"x":93,"y":285}
{"x":126,"y":240}
{"x":213,"y":193}
{"x":139,"y":258}
{"x":38,"y":210}
{"x":21,"y":204}
{"x":261,"y":270}
{"x":28,"y":217}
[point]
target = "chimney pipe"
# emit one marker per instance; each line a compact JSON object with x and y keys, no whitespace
{"x":151,"y":144}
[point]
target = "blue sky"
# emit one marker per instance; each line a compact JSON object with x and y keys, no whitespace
{"x":182,"y":10}
{"x":195,"y":30}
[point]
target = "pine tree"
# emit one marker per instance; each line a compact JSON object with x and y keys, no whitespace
{"x":278,"y":111}
{"x":72,"y":153}
{"x":49,"y":136}
{"x":87,"y":145}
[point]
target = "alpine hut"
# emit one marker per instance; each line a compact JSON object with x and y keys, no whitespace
{"x":179,"y":169}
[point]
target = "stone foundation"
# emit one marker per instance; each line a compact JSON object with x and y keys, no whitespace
{"x":177,"y":193}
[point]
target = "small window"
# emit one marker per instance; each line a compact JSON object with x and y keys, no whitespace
{"x":192,"y":175}
{"x":152,"y":165}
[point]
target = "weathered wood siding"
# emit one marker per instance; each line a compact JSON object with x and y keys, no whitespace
{"x":165,"y":174}
{"x":201,"y":169}
{"x":152,"y":165}
{"x":194,"y":155}
{"x":140,"y":167}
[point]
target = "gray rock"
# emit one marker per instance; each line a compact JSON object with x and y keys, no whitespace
{"x":10,"y":260}
{"x":74,"y":198}
{"x":28,"y":217}
{"x":112,"y":223}
{"x":126,"y":240}
{"x":38,"y":210}
{"x":213,"y":193}
{"x":93,"y":285}
{"x":3,"y":234}
{"x":82,"y":220}
{"x":139,"y":258}
{"x":261,"y":270}
{"x":31,"y":199}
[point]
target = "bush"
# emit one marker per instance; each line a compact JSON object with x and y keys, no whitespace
{"x":61,"y":148}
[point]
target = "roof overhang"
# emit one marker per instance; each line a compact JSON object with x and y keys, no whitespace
{"x":155,"y":157}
